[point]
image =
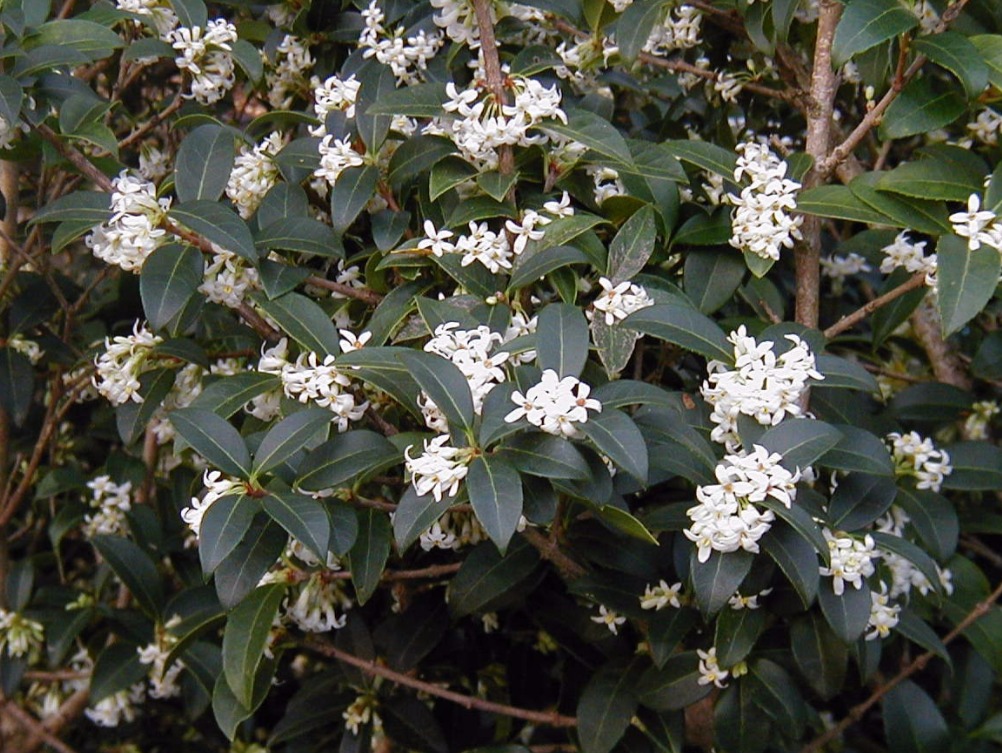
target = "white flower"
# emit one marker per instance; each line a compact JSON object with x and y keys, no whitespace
{"x":986,"y":127}
{"x":474,"y":353}
{"x":28,"y":348}
{"x":227,"y":279}
{"x":334,"y":94}
{"x":737,"y":601}
{"x":909,"y":256}
{"x":336,"y":156}
{"x":851,"y":560}
{"x":437,"y":241}
{"x":439,"y":469}
{"x":610,"y":619}
{"x":607,"y":183}
{"x":19,"y":635}
{"x":110,"y":502}
{"x":709,"y":671}
{"x":662,"y":595}
{"x":292,"y":62}
{"x":163,"y":679}
{"x":350,"y":342}
{"x":437,"y":538}
{"x":680,"y":30}
{"x":110,"y":711}
{"x":619,"y":301}
{"x":883,"y":614}
{"x":315,"y":378}
{"x":254,"y":173}
{"x":315,"y":609}
{"x":361,"y":711}
{"x":216,"y":486}
{"x":977,"y":225}
{"x":207,"y":57}
{"x":122,"y":362}
{"x":154,"y":164}
{"x":976,"y":424}
{"x":554,"y":405}
{"x":133,"y":231}
{"x":917,"y":457}
{"x":762,"y":222}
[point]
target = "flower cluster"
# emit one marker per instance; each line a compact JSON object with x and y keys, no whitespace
{"x":19,"y":635}
{"x":662,"y":595}
{"x":207,"y":55}
{"x":159,"y":12}
{"x":315,"y":609}
{"x":555,"y":405}
{"x":762,"y":384}
{"x":977,"y":423}
{"x":333,"y":95}
{"x":607,"y":183}
{"x":27,"y":348}
{"x":837,"y":267}
{"x":361,"y":711}
{"x":439,"y":469}
{"x":909,"y":256}
{"x":227,"y":278}
{"x":110,"y":502}
{"x":726,"y":518}
{"x":904,"y":575}
{"x":254,"y":173}
{"x":288,"y":77}
{"x":459,"y":21}
{"x":163,"y":679}
{"x":481,"y":244}
{"x":133,"y":232}
{"x":122,"y":362}
{"x":709,"y":670}
{"x":216,"y":486}
{"x":680,"y":30}
{"x":986,"y":127}
{"x":336,"y":156}
{"x":454,"y":530}
{"x":883,"y":614}
{"x":851,"y":560}
{"x":763,"y":219}
{"x":978,"y":225}
{"x":406,"y":57}
{"x":916,"y":456}
{"x":618,"y":301}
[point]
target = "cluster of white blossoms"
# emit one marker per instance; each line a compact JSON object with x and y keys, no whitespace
{"x":762,"y":385}
{"x":454,"y":530}
{"x":439,"y":469}
{"x":407,"y":57}
{"x":333,"y":95}
{"x":159,"y":12}
{"x":475,"y":353}
{"x":764,"y":219}
{"x":315,"y":608}
{"x":978,"y":225}
{"x":607,"y":183}
{"x":612,"y":620}
{"x":132,"y":233}
{"x":163,"y":679}
{"x":986,"y":127}
{"x":904,"y":575}
{"x":362,"y":711}
{"x":288,"y":77}
{"x":618,"y":301}
{"x":154,"y":163}
{"x":109,"y":502}
{"x":909,"y":256}
{"x":254,"y":173}
{"x":124,"y":359}
{"x":207,"y":55}
{"x":336,"y":156}
{"x":481,"y":244}
{"x":479,"y":126}
{"x":680,"y":30}
{"x":459,"y":21}
{"x":917,"y":457}
{"x":883,"y":614}
{"x":977,"y":423}
{"x":851,"y":560}
{"x":710,"y":672}
{"x":187,"y":386}
{"x":20,"y":636}
{"x":662,"y":595}
{"x":555,"y":405}
{"x":726,"y":518}
{"x":27,"y":348}
{"x":118,"y":707}
{"x":314,"y":378}
{"x":216,"y":486}
{"x":227,"y":278}
{"x":838,"y":267}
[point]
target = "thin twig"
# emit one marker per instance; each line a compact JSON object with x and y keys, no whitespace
{"x":547,"y":718}
{"x":495,"y":76}
{"x":35,"y":727}
{"x":431,"y":572}
{"x":362,"y":294}
{"x":851,"y":320}
{"x":152,"y":123}
{"x":856,"y":712}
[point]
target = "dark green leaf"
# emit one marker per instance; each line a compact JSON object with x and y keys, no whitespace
{"x":354,"y":187}
{"x":838,"y":202}
{"x":966,"y":281}
{"x":614,"y":344}
{"x":738,"y":723}
{"x":711,"y":276}
{"x":288,"y":437}
{"x":134,"y":568}
{"x":421,"y":101}
{"x":913,"y":722}
{"x":93,"y":207}
{"x":635,"y":25}
{"x":226,"y":396}
{"x":957,"y":54}
{"x":445,"y":384}
{"x":797,"y":558}
{"x":218,"y":224}
{"x":240,"y":572}
{"x":11,"y":97}
{"x":716,"y":580}
{"x":615,"y":435}
{"x":368,"y":556}
{"x":915,"y":629}
{"x":920,"y":109}
{"x":542,"y":263}
{"x":632,"y":246}
{"x":345,"y":458}
{"x":546,"y":456}
{"x":914,"y":554}
{"x":223,"y":527}
{"x":214,"y":438}
{"x":674,"y":686}
{"x":17,"y":384}
{"x":304,"y":320}
{"x":667,"y":629}
{"x":860,"y":499}
{"x":594,"y":132}
{"x":204,"y":162}
{"x":930,"y":179}
{"x":416,"y":155}
{"x":775,"y":692}
{"x":977,"y":466}
{"x":302,"y":517}
{"x":495,"y":490}
{"x":562,"y":337}
{"x":486,"y":576}
{"x":845,"y":374}
{"x":847,"y":614}
{"x":302,"y":234}
{"x":607,"y":704}
{"x":117,"y":668}
{"x":859,"y":450}
{"x":683,"y":326}
{"x":169,"y":279}
{"x":800,"y":441}
{"x":246,"y":637}
{"x":414,"y":516}
{"x":867,"y":23}
{"x":934,"y":518}
{"x":705,"y":155}
{"x":737,"y":631}
{"x":931,"y":401}
{"x":821,"y":657}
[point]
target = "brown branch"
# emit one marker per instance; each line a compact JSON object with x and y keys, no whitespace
{"x":495,"y":77}
{"x":856,"y":712}
{"x":547,"y":718}
{"x":851,"y":320}
{"x":550,"y":550}
{"x":75,"y":158}
{"x":430,"y":572}
{"x":361,"y":294}
{"x":257,"y":322}
{"x":152,"y":123}
{"x":946,"y":366}
{"x":34,"y":727}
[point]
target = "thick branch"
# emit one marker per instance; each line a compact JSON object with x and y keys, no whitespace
{"x":547,"y":718}
{"x":856,"y":713}
{"x":492,"y":70}
{"x":851,"y":320}
{"x":945,"y":365}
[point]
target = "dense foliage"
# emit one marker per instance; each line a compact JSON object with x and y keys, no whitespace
{"x":567,"y":375}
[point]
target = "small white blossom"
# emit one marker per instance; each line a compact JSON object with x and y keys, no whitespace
{"x":710,"y":672}
{"x":336,"y":156}
{"x":618,"y":301}
{"x":315,"y":609}
{"x":555,"y":405}
{"x":124,"y":359}
{"x":207,"y":56}
{"x":916,"y":456}
{"x":439,"y":469}
{"x":662,"y":595}
{"x":883,"y":614}
{"x":253,"y":175}
{"x":977,"y":225}
{"x":19,"y":635}
{"x":851,"y":560}
{"x":763,"y":221}
{"x":610,"y":619}
{"x":216,"y":486}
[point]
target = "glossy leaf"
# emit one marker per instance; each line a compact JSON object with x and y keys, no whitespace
{"x":486,"y":576}
{"x":632,"y":246}
{"x":134,"y":568}
{"x":246,"y":637}
{"x":345,"y":458}
{"x":606,"y":706}
{"x":800,"y":441}
{"x":289,"y":436}
{"x":204,"y":162}
{"x":966,"y":281}
{"x":867,"y":23}
{"x":219,"y":224}
{"x":445,"y":384}
{"x":214,"y":438}
{"x":304,"y":518}
{"x":716,"y":580}
{"x":562,"y":337}
{"x":367,"y":557}
{"x":240,"y":572}
{"x":223,"y":527}
{"x":860,"y":499}
{"x":304,"y":320}
{"x":913,"y":722}
{"x":495,"y":490}
{"x":615,"y":435}
{"x":683,"y":326}
{"x":847,"y":614}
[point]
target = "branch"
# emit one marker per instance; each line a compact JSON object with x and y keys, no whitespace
{"x":152,"y":123}
{"x":361,"y":294}
{"x":75,"y":158}
{"x":851,"y":320}
{"x":570,"y":569}
{"x":928,"y":330}
{"x":547,"y":718}
{"x":34,"y":727}
{"x":495,"y":77}
{"x":432,"y":572}
{"x":856,"y":712}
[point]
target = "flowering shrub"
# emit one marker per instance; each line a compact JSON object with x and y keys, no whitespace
{"x":470,"y":375}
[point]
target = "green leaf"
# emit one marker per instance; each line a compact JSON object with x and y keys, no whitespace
{"x":301,"y":234}
{"x":86,"y":206}
{"x":704,"y":229}
{"x":977,"y":466}
{"x":536,"y":267}
{"x":967,"y":281}
{"x":284,"y":200}
{"x":447,"y":174}
{"x":382,"y":368}
{"x":416,"y":155}
{"x":918,"y":632}
{"x":299,"y":158}
{"x":738,"y":723}
{"x":218,"y":224}
{"x":277,"y":278}
{"x":847,"y":614}
{"x":562,"y":337}
{"x":684,"y":326}
{"x":368,"y":556}
{"x":838,"y":202}
{"x":302,"y":517}
{"x":716,"y":580}
{"x":226,"y":396}
{"x":931,"y":401}
{"x":445,"y":384}
{"x":736,"y":633}
{"x":843,"y":373}
{"x":607,"y":704}
{"x":918,"y":214}
{"x":934,"y":518}
{"x":930,"y":179}
{"x":240,"y":572}
{"x":990,"y":47}
{"x":223,"y":527}
{"x":559,"y":233}
{"x":352,"y":191}
{"x":594,"y":132}
{"x":914,"y":554}
{"x":860,"y":499}
{"x":859,"y":450}
{"x":495,"y":490}
{"x":546,"y":456}
{"x":957,"y":54}
{"x":486,"y":576}
{"x":117,"y":668}
{"x":289,"y":436}
{"x":169,"y":279}
{"x":800,"y":441}
{"x":204,"y":162}
{"x":17,"y":384}
{"x":633,"y":245}
{"x":675,"y":685}
{"x":615,"y":435}
{"x":867,"y":23}
{"x":191,"y":12}
{"x":776,"y":693}
{"x":920,"y":109}
{"x":625,"y":522}
{"x":706,"y":156}
{"x":11,"y":97}
{"x":634,"y":27}
{"x":345,"y":458}
{"x":246,"y":637}
{"x":496,"y":185}
{"x":821,"y":657}
{"x":913,"y":722}
{"x":87,"y":37}
{"x":228,"y":711}
{"x":214,"y":438}
{"x":248,"y":57}
{"x":304,"y":320}
{"x":614,"y":344}
{"x":711,"y":276}
{"x":796,"y":556}
{"x":420,"y":101}
{"x":414,"y":516}
{"x":667,"y":629}
{"x":134,"y":568}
